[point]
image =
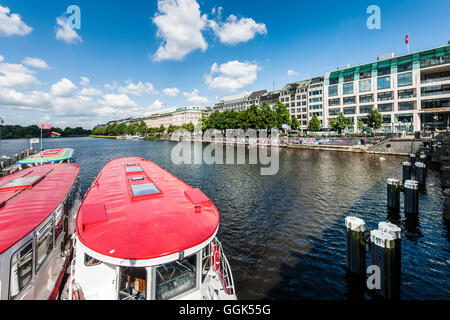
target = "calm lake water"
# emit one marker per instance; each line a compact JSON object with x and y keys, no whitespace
{"x":284,"y":235}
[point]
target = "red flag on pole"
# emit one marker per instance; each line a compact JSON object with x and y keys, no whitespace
{"x":406,"y":39}
{"x":46,"y":126}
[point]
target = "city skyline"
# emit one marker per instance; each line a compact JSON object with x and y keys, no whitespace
{"x":126,"y":60}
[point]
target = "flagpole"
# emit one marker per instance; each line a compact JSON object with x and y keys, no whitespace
{"x":41,"y":136}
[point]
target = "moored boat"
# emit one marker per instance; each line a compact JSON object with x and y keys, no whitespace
{"x":37,"y":220}
{"x":59,"y":155}
{"x":143,"y":234}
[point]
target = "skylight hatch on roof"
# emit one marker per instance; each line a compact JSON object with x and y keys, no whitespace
{"x":133,"y":169}
{"x":21,"y":183}
{"x":144,"y":189}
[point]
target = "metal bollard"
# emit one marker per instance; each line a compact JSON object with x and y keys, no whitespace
{"x":356,"y":254}
{"x":386,"y":255}
{"x":421,"y":173}
{"x":393,"y":194}
{"x":412,"y":158}
{"x":411,"y":197}
{"x":406,"y":171}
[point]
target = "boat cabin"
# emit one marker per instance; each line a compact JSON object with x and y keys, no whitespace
{"x":37,"y":220}
{"x":141,"y":234}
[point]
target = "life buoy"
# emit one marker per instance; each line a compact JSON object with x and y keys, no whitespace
{"x":215,"y":258}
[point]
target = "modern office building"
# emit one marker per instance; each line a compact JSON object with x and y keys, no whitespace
{"x":411,"y":91}
{"x":303,"y":99}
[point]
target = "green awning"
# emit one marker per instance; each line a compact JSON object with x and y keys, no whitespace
{"x":385,"y":63}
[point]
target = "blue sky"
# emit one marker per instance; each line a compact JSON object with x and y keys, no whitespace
{"x":205,"y":49}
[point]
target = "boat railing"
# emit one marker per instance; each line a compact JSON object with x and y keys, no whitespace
{"x":224,"y":269}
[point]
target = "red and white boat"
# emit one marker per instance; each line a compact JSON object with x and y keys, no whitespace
{"x":37,"y":220}
{"x":143,"y":234}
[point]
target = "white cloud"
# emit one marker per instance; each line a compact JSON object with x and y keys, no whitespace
{"x":171,"y":92}
{"x":65,"y":33}
{"x":85,"y":81}
{"x":16,"y":75}
{"x":292,"y":73}
{"x":156,"y":105}
{"x":232,"y":76}
{"x":180,"y":25}
{"x":36,"y":100}
{"x":90,"y":92}
{"x":12,"y":24}
{"x":63,"y":88}
{"x":138,"y":89}
{"x":195,"y":98}
{"x":1,"y":58}
{"x":36,"y":63}
{"x":117,"y":101}
{"x":112,"y":86}
{"x":235,"y":30}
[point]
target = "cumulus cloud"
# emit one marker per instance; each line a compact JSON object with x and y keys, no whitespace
{"x":234,"y":30}
{"x":63,"y":88}
{"x":35,"y":63}
{"x":180,"y":24}
{"x":112,"y":86}
{"x":232,"y":76}
{"x":156,"y":105}
{"x":65,"y":33}
{"x":292,"y":73}
{"x":171,"y":92}
{"x":138,"y":89}
{"x":1,"y":58}
{"x":11,"y":23}
{"x":16,"y":75}
{"x":90,"y":92}
{"x":116,"y":101}
{"x":35,"y":100}
{"x":85,"y":81}
{"x":195,"y":98}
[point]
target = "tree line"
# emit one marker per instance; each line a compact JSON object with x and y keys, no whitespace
{"x":34,"y":131}
{"x":138,"y":129}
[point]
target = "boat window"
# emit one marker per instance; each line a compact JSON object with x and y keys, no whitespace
{"x":21,"y":263}
{"x":206,"y":263}
{"x":89,"y":261}
{"x":58,"y":222}
{"x":137,"y":178}
{"x":144,"y":189}
{"x":133,"y":283}
{"x":44,"y":244}
{"x":176,"y":278}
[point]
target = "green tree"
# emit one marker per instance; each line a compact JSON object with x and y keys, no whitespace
{"x":295,"y":124}
{"x":281,"y":115}
{"x":314,"y":123}
{"x":375,"y":119}
{"x":339,"y":123}
{"x":360,"y":125}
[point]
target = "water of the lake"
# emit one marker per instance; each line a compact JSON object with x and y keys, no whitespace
{"x":284,"y":235}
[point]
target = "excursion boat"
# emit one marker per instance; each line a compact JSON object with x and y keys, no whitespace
{"x":143,"y":234}
{"x":61,"y":155}
{"x":37,"y":221}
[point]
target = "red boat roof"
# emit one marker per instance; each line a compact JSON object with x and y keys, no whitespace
{"x":29,"y":196}
{"x":135,"y":210}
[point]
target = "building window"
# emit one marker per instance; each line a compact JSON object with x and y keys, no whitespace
{"x":434,"y":77}
{"x":436,"y":90}
{"x":406,"y":106}
{"x":405,"y":94}
{"x":303,"y":109}
{"x":404,"y":79}
{"x":21,"y":264}
{"x":365,"y":109}
{"x":349,"y":110}
{"x":334,"y":102}
{"x":384,"y":70}
{"x":333,"y":91}
{"x":349,"y":77}
{"x":304,"y":103}
{"x":350,"y":100}
{"x":334,"y":80}
{"x":405,"y":118}
{"x":404,"y":67}
{"x":384,"y":96}
{"x":365,"y":74}
{"x":348,"y":88}
{"x":292,"y":110}
{"x":315,"y":107}
{"x":385,"y":107}
{"x":387,"y":118}
{"x":334,"y":112}
{"x":384,"y":83}
{"x":365,"y":85}
{"x":435,"y":61}
{"x":366,"y":98}
{"x":436,"y":103}
{"x":304,"y":96}
{"x":313,"y":100}
{"x":299,"y":110}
